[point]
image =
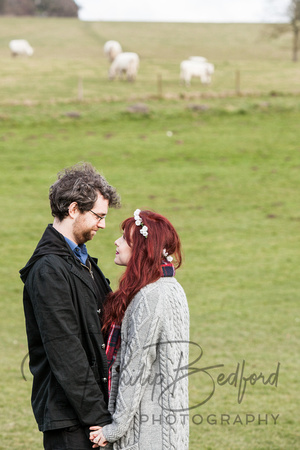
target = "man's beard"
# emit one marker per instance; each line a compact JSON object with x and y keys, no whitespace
{"x":81,"y":234}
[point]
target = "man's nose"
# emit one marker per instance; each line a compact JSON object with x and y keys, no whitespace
{"x":101,"y":223}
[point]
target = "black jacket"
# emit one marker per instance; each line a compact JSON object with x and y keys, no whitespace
{"x":67,"y":356}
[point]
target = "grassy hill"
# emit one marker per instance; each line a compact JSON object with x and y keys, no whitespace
{"x":227,"y":176}
{"x":67,"y":50}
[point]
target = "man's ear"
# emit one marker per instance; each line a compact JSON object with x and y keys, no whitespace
{"x":73,"y":210}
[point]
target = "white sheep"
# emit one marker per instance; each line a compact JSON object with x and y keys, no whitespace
{"x":20,"y":47}
{"x":125,"y":63}
{"x":194,"y":68}
{"x":112,"y":49}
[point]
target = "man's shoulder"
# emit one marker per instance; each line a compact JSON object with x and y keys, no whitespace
{"x":50,"y":262}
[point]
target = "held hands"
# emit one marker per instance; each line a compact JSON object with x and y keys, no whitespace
{"x":97,"y":437}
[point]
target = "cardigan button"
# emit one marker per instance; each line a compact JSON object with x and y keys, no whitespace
{"x":104,"y":380}
{"x":103,"y":346}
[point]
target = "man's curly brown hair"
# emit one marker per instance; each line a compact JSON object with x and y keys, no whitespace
{"x":81,"y":184}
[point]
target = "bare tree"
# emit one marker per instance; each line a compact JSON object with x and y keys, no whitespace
{"x":63,"y":8}
{"x":59,"y":8}
{"x":290,"y":13}
{"x":17,"y":7}
{"x":2,"y":6}
{"x":294,"y":14}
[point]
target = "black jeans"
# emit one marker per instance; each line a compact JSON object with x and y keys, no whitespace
{"x":70,"y":438}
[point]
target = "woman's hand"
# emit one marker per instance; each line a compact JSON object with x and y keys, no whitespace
{"x":97,"y":437}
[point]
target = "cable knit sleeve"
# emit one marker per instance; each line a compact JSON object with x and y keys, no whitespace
{"x":141,"y":329}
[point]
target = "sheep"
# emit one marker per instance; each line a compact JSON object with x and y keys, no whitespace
{"x":20,"y":47}
{"x":124,"y":63}
{"x":112,"y":49}
{"x":194,"y":68}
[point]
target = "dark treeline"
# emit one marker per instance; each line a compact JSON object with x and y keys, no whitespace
{"x":48,"y":8}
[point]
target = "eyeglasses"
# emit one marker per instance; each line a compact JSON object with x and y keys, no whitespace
{"x":97,"y":215}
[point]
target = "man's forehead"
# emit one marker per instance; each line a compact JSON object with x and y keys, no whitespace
{"x":101,"y":205}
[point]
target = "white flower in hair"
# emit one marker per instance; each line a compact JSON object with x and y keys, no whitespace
{"x":168,"y":258}
{"x":144,"y":231}
{"x":139,"y":222}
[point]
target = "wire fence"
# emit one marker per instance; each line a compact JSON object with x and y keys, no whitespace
{"x":227,"y":82}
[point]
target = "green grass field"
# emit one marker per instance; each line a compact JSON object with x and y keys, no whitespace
{"x":69,"y":52}
{"x":227,"y":178}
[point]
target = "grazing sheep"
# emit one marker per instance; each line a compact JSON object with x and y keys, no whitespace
{"x":20,"y":47}
{"x":194,"y":68}
{"x":125,"y":63}
{"x":112,"y":49}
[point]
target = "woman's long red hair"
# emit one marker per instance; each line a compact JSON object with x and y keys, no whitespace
{"x":144,"y":266}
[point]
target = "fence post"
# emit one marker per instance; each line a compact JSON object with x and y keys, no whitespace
{"x":159,"y":85}
{"x":238,"y":82}
{"x":80,"y":89}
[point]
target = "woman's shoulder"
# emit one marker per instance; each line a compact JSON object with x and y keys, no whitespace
{"x":162,"y":283}
{"x":156,"y":301}
{"x":158,"y":290}
{"x":164,"y":286}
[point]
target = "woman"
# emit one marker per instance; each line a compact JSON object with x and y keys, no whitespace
{"x":149,"y":373}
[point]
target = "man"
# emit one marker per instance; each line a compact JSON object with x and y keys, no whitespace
{"x":63,"y":295}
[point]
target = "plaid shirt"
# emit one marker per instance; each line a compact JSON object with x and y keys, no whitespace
{"x":112,"y":346}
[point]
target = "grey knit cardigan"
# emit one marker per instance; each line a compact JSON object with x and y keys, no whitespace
{"x":149,"y":391}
